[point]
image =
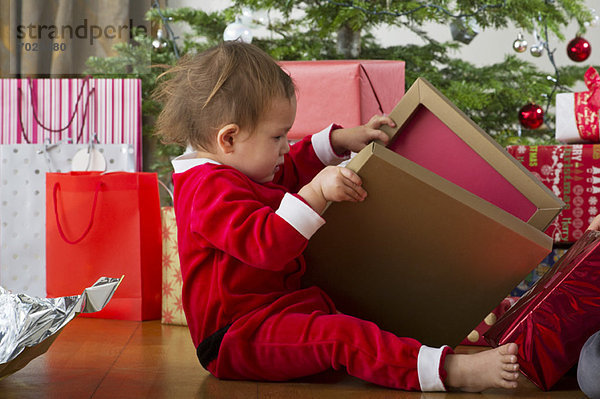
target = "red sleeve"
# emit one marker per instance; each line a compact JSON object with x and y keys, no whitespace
{"x":307,"y":157}
{"x":229,"y":215}
{"x":300,"y":165}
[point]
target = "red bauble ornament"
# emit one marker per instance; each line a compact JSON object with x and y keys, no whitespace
{"x":531,"y":116}
{"x":579,"y":49}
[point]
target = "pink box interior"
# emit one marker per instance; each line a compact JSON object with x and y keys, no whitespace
{"x":427,"y":141}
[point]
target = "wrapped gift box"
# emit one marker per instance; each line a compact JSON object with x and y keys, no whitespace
{"x":572,"y":172}
{"x":172,"y":308}
{"x":577,"y":114}
{"x":347,"y":92}
{"x":552,"y":321}
{"x":432,"y":132}
{"x":538,"y":272}
{"x":429,"y":259}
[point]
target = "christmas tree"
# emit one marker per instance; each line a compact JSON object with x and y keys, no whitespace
{"x":325,"y":29}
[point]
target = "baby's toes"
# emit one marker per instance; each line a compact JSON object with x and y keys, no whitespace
{"x":510,"y":366}
{"x":509,"y":359}
{"x":509,"y":376}
{"x":509,"y":349}
{"x":508,"y":384}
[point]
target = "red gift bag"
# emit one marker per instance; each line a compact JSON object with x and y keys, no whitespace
{"x":105,"y":224}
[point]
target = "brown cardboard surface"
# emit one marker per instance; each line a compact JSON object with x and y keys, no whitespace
{"x":421,"y":256}
{"x":422,"y":93}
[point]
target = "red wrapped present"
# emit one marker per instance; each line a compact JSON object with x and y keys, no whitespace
{"x":476,"y":336}
{"x":552,"y":321}
{"x":572,"y":172}
{"x":577,"y":116}
{"x":347,"y":92}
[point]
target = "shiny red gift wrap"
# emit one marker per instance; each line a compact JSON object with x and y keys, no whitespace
{"x":552,"y":321}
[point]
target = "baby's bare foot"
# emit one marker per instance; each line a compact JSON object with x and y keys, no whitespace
{"x":496,"y":368}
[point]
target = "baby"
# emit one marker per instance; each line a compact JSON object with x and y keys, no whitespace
{"x":247,"y":203}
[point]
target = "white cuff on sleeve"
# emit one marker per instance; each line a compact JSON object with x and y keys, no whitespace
{"x":428,"y":368}
{"x":299,"y":215}
{"x":321,"y":142}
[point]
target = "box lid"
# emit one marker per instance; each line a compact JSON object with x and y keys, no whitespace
{"x":434,"y":133}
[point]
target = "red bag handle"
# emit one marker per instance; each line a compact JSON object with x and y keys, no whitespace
{"x":35,"y":116}
{"x":88,"y":228}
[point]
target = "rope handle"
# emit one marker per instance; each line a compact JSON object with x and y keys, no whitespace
{"x":88,"y":228}
{"x":35,"y":115}
{"x":167,"y":189}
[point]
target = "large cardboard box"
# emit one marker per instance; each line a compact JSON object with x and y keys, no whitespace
{"x":572,"y":172}
{"x":421,"y":256}
{"x":434,"y":133}
{"x":552,"y":321}
{"x":347,"y":92}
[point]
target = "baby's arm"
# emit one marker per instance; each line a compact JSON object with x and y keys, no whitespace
{"x":341,"y":184}
{"x":333,"y":184}
{"x":356,"y":138}
{"x":231,"y":216}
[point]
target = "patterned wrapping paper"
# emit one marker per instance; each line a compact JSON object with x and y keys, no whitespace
{"x":476,"y":336}
{"x":172,"y":309}
{"x":552,"y":321}
{"x":538,"y":272}
{"x":572,"y":172}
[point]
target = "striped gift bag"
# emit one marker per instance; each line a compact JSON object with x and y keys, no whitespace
{"x":37,"y":110}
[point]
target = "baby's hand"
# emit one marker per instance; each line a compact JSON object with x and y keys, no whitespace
{"x":356,"y":138}
{"x":333,"y":184}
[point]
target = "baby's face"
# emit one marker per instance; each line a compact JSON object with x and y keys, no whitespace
{"x":260,"y":154}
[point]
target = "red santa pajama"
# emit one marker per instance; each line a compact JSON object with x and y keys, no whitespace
{"x":240,"y":246}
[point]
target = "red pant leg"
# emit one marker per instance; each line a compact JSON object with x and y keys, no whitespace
{"x":293,"y":345}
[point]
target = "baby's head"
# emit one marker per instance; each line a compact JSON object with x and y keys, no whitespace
{"x":232,"y":83}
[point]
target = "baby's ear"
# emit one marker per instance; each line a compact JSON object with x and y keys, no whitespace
{"x":226,"y":137}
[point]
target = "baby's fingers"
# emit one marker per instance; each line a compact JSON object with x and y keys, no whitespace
{"x":350,"y":175}
{"x":353,"y":185}
{"x":379,"y":120}
{"x":356,"y":193}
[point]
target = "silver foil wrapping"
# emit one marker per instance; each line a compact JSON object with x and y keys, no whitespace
{"x":26,"y":322}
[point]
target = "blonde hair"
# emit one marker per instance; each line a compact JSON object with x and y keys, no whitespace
{"x":234,"y":82}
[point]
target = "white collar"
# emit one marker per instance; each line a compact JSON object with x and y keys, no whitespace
{"x":187,"y":161}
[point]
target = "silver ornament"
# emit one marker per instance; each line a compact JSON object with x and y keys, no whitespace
{"x":537,"y":50}
{"x":520,"y":44}
{"x":160,"y":42}
{"x":463,"y":30}
{"x":237,"y":31}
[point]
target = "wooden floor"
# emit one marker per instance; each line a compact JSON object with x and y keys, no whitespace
{"x":94,"y":358}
